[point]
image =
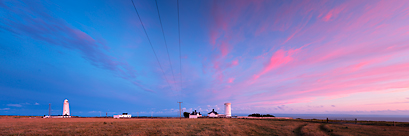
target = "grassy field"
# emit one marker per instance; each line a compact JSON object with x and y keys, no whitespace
{"x":109,"y":126}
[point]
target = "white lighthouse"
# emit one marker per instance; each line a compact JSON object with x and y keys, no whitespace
{"x":66,"y":108}
{"x":227,"y":109}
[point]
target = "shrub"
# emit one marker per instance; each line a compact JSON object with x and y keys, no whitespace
{"x":186,"y":114}
{"x":259,"y":115}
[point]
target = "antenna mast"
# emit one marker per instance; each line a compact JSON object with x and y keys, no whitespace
{"x":49,"y":110}
{"x":180,"y":110}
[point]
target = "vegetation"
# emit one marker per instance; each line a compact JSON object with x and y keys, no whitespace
{"x":259,"y":115}
{"x":222,"y":126}
{"x":186,"y":114}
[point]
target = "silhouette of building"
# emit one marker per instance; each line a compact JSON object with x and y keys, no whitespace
{"x":212,"y":114}
{"x":195,"y":115}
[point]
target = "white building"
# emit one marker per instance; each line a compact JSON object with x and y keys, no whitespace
{"x":66,"y":109}
{"x":227,"y":109}
{"x":212,"y":114}
{"x":194,"y":115}
{"x":124,"y":115}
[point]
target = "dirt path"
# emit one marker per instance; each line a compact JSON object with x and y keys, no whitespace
{"x":312,"y":129}
{"x":297,"y":131}
{"x":325,"y":129}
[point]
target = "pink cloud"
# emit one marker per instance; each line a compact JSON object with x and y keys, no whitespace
{"x":278,"y":59}
{"x":224,"y":48}
{"x":235,"y":62}
{"x":350,"y":50}
{"x":230,"y":80}
{"x":328,"y":16}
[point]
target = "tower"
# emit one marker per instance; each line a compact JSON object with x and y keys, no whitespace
{"x":66,"y":108}
{"x":227,"y":109}
{"x":180,"y":110}
{"x":49,"y":109}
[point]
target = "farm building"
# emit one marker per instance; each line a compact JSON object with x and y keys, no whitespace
{"x":212,"y":114}
{"x":124,"y":115}
{"x":195,"y":115}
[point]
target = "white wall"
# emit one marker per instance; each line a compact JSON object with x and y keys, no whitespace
{"x":192,"y":116}
{"x":122,"y":116}
{"x":212,"y":115}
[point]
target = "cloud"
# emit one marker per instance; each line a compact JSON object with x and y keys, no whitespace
{"x":388,"y":103}
{"x":278,"y":59}
{"x":36,"y":104}
{"x":334,"y":63}
{"x":5,"y":109}
{"x":14,"y":105}
{"x":44,"y":27}
{"x":230,"y":80}
{"x":333,"y":13}
{"x":282,"y":107}
{"x":305,"y":51}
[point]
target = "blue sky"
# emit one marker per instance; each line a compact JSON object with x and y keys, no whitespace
{"x":309,"y":57}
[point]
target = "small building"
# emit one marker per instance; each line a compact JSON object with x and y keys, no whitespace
{"x":212,"y":114}
{"x":194,"y":115}
{"x":124,"y":115}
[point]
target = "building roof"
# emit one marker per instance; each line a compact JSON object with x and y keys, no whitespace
{"x":195,"y":113}
{"x":213,"y":112}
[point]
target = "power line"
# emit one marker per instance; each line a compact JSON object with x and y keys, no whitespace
{"x":166,"y":45}
{"x":180,"y":51}
{"x":151,"y":44}
{"x":180,"y":58}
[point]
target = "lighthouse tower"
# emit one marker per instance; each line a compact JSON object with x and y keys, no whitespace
{"x":66,"y":108}
{"x":227,"y":109}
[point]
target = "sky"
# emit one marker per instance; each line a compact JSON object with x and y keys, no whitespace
{"x":275,"y":57}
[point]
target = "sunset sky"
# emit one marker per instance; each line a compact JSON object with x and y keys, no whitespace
{"x":273,"y":56}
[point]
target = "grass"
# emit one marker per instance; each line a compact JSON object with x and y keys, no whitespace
{"x":109,"y":126}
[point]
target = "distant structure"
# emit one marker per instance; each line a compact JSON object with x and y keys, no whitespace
{"x":180,"y":110}
{"x":124,"y":115}
{"x":194,"y":115}
{"x":65,"y":111}
{"x":49,"y":109}
{"x":212,"y":114}
{"x":66,"y":108}
{"x":227,"y":109}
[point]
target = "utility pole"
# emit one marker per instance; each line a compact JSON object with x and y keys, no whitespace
{"x":180,"y":110}
{"x":106,"y":114}
{"x":49,"y":110}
